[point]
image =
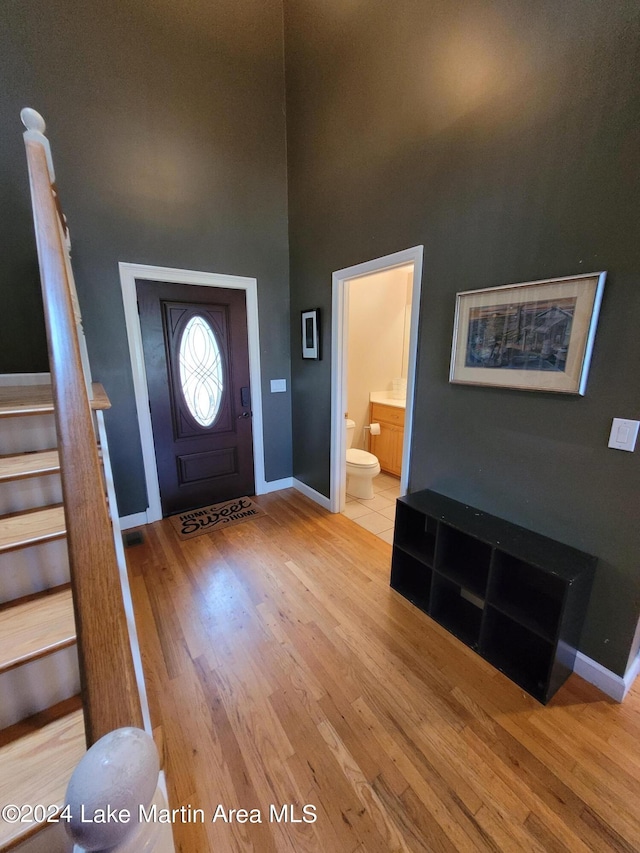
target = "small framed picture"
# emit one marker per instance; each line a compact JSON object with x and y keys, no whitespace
{"x":535,"y":336}
{"x":311,"y":333}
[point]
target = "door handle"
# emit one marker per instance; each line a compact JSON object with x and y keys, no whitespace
{"x":244,"y":415}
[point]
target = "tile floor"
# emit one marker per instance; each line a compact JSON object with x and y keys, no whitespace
{"x":376,"y":515}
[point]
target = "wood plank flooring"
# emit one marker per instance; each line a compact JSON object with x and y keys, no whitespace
{"x":282,"y":669}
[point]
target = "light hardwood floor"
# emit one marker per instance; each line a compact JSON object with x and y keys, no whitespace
{"x":282,"y":669}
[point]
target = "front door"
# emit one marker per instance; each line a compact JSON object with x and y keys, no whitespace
{"x":197,"y":364}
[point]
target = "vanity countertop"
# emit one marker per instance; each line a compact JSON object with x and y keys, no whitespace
{"x":384,"y":399}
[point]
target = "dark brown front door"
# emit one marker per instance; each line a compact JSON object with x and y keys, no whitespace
{"x":197,"y":363}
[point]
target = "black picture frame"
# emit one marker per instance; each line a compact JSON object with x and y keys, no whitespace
{"x":311,"y":333}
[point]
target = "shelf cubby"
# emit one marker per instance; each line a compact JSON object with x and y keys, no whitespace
{"x":411,"y":578}
{"x":415,"y":533}
{"x":522,"y":655}
{"x":516,"y":597}
{"x":463,"y":559}
{"x":527,"y":594}
{"x":455,"y":611}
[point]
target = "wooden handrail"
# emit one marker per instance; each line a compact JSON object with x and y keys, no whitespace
{"x":107,"y":675}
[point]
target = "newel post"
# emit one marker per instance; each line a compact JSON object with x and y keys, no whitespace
{"x":113,"y":799}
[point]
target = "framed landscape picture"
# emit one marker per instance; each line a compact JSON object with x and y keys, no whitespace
{"x":535,"y":336}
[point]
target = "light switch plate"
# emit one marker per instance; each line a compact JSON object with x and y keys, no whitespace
{"x":624,"y":434}
{"x":278,"y":385}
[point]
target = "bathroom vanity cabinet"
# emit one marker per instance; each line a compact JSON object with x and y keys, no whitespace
{"x":388,"y":445}
{"x":515,"y":597}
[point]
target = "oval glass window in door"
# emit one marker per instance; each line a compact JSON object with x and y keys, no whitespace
{"x":201,"y":376}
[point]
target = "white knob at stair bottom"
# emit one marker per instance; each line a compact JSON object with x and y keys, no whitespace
{"x":117,"y":775}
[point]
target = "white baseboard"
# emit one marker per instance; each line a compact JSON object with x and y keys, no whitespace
{"x":275,"y":486}
{"x":311,"y":493}
{"x":135,"y":520}
{"x":616,"y":686}
{"x":7,"y":379}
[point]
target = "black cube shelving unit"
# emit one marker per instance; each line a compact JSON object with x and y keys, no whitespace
{"x":514,"y":596}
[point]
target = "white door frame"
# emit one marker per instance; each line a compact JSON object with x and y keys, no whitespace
{"x":339,"y":346}
{"x":128,"y":275}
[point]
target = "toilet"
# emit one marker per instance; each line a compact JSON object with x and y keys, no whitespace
{"x":362,"y":467}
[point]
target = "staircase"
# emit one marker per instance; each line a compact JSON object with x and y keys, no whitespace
{"x":42,"y":730}
{"x":66,"y":618}
{"x":42,"y":734}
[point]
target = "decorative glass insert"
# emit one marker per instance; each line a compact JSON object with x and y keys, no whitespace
{"x":201,"y":370}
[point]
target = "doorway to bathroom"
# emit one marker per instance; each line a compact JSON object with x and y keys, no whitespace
{"x":374,"y":342}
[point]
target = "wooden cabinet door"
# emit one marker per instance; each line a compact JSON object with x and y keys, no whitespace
{"x":388,"y":445}
{"x":383,"y":446}
{"x":398,"y":441}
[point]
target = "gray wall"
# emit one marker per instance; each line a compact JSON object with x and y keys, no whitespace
{"x":505,"y":137}
{"x":168,"y":132}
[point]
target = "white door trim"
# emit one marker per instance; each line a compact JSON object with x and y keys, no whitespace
{"x":339,"y":344}
{"x":128,"y":275}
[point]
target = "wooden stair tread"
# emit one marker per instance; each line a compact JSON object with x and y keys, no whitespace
{"x":100,"y":400}
{"x":30,"y":528}
{"x":35,"y":628}
{"x":23,"y":465}
{"x":20,"y":400}
{"x":36,"y":769}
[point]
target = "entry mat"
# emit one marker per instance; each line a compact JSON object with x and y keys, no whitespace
{"x":215,"y":517}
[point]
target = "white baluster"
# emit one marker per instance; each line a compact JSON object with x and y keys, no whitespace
{"x":114,"y":778}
